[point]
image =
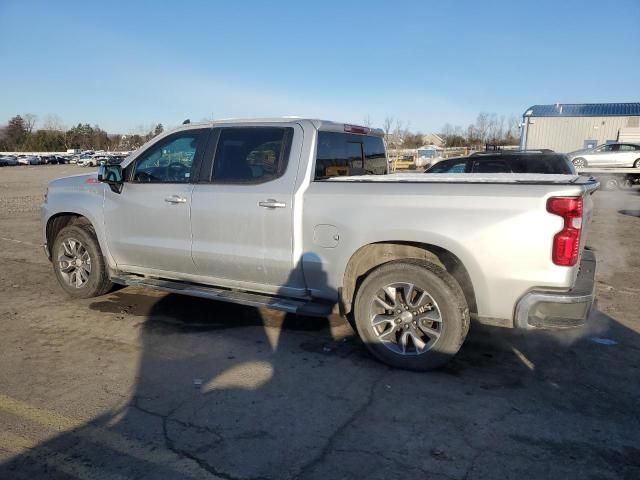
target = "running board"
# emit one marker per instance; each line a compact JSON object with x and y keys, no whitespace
{"x":298,"y":307}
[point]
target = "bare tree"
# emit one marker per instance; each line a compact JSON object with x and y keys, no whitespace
{"x":398,"y":135}
{"x":453,"y":136}
{"x":513,"y":129}
{"x":387,"y":125}
{"x":367,"y":121}
{"x":30,"y":120}
{"x":482,"y":126}
{"x":495,"y":127}
{"x":53,"y":123}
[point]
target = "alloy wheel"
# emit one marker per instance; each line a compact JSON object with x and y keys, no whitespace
{"x":74,"y":263}
{"x":405,"y":318}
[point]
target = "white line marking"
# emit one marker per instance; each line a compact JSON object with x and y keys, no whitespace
{"x":19,"y":241}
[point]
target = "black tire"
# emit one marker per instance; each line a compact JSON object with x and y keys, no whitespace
{"x":626,"y":184}
{"x":636,"y":164}
{"x":610,"y":183}
{"x":448,"y":297}
{"x":98,"y":282}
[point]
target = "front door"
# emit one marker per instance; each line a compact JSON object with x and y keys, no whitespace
{"x":601,"y":156}
{"x":148,"y":224}
{"x":242,"y":215}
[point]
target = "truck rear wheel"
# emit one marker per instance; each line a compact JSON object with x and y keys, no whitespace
{"x":411,"y":316}
{"x":78,"y":262}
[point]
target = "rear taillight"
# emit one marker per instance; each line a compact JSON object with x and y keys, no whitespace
{"x":566,"y":243}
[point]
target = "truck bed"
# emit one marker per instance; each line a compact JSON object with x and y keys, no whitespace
{"x":519,"y":178}
{"x":619,"y":170}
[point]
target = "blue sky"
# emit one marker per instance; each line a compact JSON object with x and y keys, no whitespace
{"x":128,"y":64}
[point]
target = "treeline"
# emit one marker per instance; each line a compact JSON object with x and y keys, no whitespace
{"x":21,"y":135}
{"x":489,"y":128}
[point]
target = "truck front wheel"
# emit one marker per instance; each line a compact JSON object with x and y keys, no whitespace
{"x":78,"y":262}
{"x":411,"y":316}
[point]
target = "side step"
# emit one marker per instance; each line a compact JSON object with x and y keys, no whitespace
{"x":299,"y":307}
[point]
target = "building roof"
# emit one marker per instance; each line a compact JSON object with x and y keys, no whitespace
{"x":584,"y":110}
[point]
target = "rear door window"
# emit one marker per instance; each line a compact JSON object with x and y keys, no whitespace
{"x":251,"y":154}
{"x":490,"y":166}
{"x":532,"y":163}
{"x":340,"y":154}
{"x":628,"y":148}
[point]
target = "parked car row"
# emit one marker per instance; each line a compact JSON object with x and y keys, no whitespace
{"x":96,"y":160}
{"x":13,"y":160}
{"x":83,"y":160}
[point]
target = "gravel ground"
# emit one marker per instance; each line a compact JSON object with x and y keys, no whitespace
{"x":141,"y":384}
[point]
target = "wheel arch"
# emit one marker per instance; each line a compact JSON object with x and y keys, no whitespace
{"x":373,"y":255}
{"x":57,"y":222}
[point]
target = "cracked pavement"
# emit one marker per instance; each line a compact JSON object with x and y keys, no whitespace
{"x":145,"y":385}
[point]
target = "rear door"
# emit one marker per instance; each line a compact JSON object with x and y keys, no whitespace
{"x":242,"y":210}
{"x":628,"y":154}
{"x":147,"y":224}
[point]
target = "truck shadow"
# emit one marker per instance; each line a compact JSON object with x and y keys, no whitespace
{"x":631,"y":213}
{"x":229,"y":391}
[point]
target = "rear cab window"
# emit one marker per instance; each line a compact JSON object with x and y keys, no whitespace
{"x":343,"y":154}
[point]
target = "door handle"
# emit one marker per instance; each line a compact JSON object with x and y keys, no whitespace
{"x":175,"y":199}
{"x":271,"y":203}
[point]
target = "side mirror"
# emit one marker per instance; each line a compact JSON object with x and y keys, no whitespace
{"x":112,"y":176}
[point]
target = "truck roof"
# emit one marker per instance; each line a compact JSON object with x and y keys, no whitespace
{"x":327,"y":125}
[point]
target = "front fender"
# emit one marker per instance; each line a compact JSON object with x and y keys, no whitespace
{"x":86,"y":201}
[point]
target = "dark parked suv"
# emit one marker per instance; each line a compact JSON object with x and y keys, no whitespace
{"x":530,"y":161}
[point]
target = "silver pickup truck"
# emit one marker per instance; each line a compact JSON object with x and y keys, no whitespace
{"x":300,"y":215}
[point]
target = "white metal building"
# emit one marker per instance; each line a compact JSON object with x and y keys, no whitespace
{"x":568,"y":127}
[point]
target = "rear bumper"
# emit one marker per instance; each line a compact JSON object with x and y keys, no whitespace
{"x":562,"y":309}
